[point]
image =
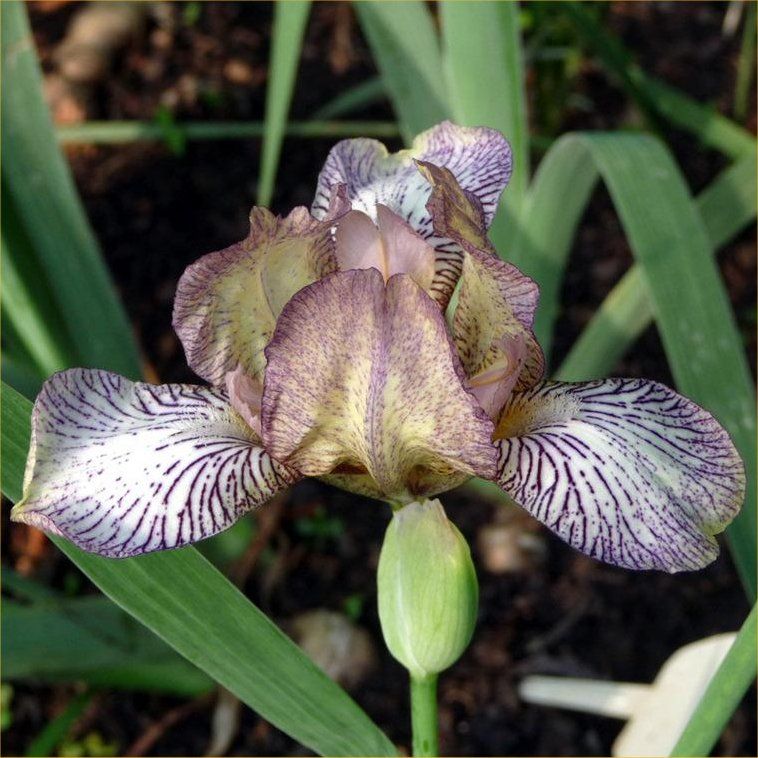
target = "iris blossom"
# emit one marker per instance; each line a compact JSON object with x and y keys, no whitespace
{"x":379,"y":343}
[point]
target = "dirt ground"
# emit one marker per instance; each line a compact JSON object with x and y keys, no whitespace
{"x":155,"y":212}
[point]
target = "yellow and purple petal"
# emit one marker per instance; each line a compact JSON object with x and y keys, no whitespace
{"x":625,"y":470}
{"x":494,"y":314}
{"x":362,"y":383}
{"x":227,"y":303}
{"x":122,"y":469}
{"x":478,"y":158}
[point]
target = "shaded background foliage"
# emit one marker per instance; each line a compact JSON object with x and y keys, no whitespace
{"x":155,"y":206}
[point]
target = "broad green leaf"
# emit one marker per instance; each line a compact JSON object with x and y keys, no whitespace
{"x":19,"y":373}
{"x":724,"y":693}
{"x":674,"y":252}
{"x":38,"y":179}
{"x":694,"y":318}
{"x":745,"y":64}
{"x":485,"y":74}
{"x":118,"y":132}
{"x":57,"y":728}
{"x":27,"y":300}
{"x":547,"y":226}
{"x":406,"y":49}
{"x":726,"y":206}
{"x":286,"y":45}
{"x":89,"y":639}
{"x":656,"y":97}
{"x":181,"y":597}
{"x":352,"y":99}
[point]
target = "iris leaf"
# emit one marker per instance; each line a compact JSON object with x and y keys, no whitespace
{"x":352,"y":99}
{"x":286,"y":46}
{"x":484,"y":65}
{"x":56,"y":730}
{"x":27,"y":298}
{"x":406,"y":49}
{"x":655,"y":97}
{"x":119,"y":132}
{"x":726,"y":689}
{"x":181,"y":597}
{"x":40,"y":184}
{"x":726,"y":207}
{"x":89,"y":639}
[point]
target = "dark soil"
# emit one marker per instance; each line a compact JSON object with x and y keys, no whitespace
{"x":155,"y":212}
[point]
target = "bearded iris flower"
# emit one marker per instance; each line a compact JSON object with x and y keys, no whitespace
{"x":377,"y":342}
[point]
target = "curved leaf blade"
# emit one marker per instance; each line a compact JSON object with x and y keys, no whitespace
{"x":485,"y":72}
{"x":286,"y":45}
{"x":39,"y":181}
{"x":720,"y":700}
{"x":181,"y":597}
{"x":726,"y":206}
{"x":406,"y":49}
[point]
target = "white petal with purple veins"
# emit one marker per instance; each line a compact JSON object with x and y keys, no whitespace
{"x":122,"y":469}
{"x":625,"y":470}
{"x":478,"y":158}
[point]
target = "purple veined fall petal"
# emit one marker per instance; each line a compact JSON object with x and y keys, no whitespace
{"x":363,"y":384}
{"x":123,"y":468}
{"x":227,"y":303}
{"x":479,"y":158}
{"x":389,"y":245}
{"x":625,"y":470}
{"x":496,"y":302}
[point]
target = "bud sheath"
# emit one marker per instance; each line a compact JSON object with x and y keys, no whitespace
{"x":427,"y":588}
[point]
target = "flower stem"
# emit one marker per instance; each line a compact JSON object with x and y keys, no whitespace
{"x":424,"y":715}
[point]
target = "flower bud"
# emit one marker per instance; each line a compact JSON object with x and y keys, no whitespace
{"x":428,"y":592}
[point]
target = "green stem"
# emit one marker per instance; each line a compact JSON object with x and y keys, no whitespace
{"x":129,"y":131}
{"x":424,"y":715}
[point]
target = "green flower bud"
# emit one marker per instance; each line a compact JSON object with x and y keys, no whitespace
{"x":427,"y":587}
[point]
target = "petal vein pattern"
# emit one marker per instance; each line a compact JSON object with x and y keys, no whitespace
{"x":363,"y":378}
{"x":625,"y":470}
{"x":123,"y":468}
{"x":496,"y":302}
{"x":227,"y":303}
{"x":478,"y":158}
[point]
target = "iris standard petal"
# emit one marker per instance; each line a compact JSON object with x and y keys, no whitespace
{"x":478,"y":158}
{"x":362,"y":381}
{"x":389,"y":245}
{"x":122,"y":469}
{"x":227,"y":303}
{"x":496,"y":302}
{"x":625,"y":470}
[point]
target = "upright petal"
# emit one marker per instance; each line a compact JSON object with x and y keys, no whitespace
{"x":389,"y":245}
{"x":478,"y":158}
{"x":362,"y":381}
{"x":496,"y":302}
{"x":122,"y":469}
{"x":227,"y":303}
{"x":625,"y":470}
